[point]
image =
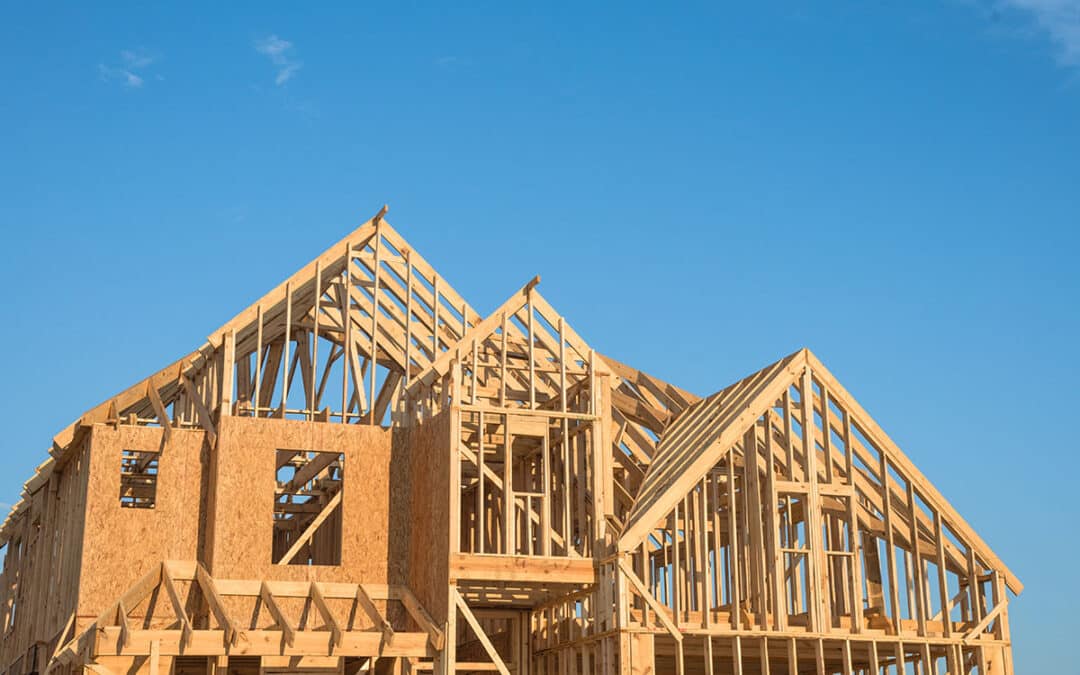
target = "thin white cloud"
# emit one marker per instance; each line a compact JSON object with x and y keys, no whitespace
{"x":1059,"y":19}
{"x":125,"y":72}
{"x":137,"y":58}
{"x":280,"y":53}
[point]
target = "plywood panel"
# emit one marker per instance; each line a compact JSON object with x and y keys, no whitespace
{"x":122,"y":544}
{"x":244,"y":495}
{"x":428,"y":445}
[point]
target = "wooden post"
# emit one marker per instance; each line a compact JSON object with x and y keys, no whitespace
{"x":916,"y":567}
{"x":374,"y":328}
{"x":509,"y":503}
{"x":346,"y":318}
{"x":285,"y":358}
{"x":228,"y":369}
{"x":258,"y":358}
{"x":316,"y":312}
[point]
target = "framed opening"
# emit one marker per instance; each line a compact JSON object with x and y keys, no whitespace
{"x":138,"y":479}
{"x":307,"y":507}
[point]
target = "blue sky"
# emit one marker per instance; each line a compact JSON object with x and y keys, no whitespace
{"x":703,"y":190}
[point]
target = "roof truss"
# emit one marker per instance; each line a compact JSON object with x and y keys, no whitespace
{"x":707,"y":432}
{"x":201,"y":617}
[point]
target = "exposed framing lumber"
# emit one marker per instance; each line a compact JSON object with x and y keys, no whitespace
{"x":586,"y":516}
{"x":463,"y":607}
{"x":309,"y":532}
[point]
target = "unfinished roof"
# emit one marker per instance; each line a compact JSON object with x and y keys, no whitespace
{"x":405,"y":284}
{"x":697,"y":438}
{"x":693,"y":433}
{"x":711,"y":428}
{"x":399,"y":447}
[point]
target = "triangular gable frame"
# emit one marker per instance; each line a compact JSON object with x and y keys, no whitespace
{"x":569,"y":351}
{"x":199,"y":381}
{"x":295,"y":294}
{"x":707,"y":431}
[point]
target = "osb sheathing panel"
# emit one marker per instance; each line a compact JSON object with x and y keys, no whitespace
{"x":122,"y":544}
{"x":429,"y":511}
{"x":243,"y":501}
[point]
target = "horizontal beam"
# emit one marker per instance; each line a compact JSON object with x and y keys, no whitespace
{"x":465,"y":567}
{"x":263,"y":643}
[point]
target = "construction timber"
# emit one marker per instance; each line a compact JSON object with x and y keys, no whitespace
{"x":361,"y":473}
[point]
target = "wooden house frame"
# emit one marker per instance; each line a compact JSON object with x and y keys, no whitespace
{"x":360,"y":473}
